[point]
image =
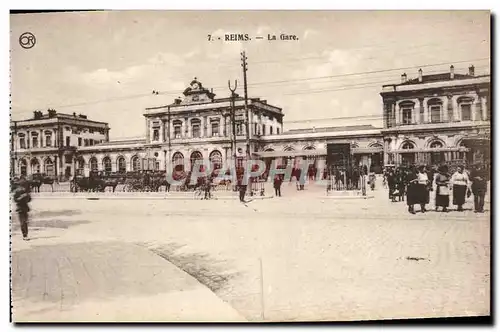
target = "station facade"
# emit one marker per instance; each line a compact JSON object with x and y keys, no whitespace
{"x":430,"y":119}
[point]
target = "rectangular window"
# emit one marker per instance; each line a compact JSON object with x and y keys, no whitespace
{"x":91,"y":142}
{"x":91,"y":130}
{"x":68,"y":139}
{"x":277,"y":131}
{"x":215,"y":129}
{"x":48,"y":140}
{"x":466,"y":112}
{"x":407,"y":116}
{"x":196,"y":131}
{"x":22,"y":143}
{"x":435,"y":113}
{"x":79,"y":141}
{"x":263,"y":129}
{"x":177,"y":131}
{"x":156,"y":135}
{"x":239,"y":129}
{"x":270,"y":130}
{"x":35,"y":141}
{"x":85,"y":142}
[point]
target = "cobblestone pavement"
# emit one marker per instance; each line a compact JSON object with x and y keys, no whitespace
{"x":298,"y":257}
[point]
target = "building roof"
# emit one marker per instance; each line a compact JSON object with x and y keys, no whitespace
{"x":437,"y":78}
{"x":328,"y":129}
{"x":123,"y":142}
{"x":52,"y":114}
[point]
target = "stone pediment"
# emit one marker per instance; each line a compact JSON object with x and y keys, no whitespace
{"x":196,"y":93}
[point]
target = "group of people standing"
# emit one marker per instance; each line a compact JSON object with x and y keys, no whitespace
{"x":416,"y":183}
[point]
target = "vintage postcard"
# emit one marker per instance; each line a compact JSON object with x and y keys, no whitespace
{"x":250,"y":166}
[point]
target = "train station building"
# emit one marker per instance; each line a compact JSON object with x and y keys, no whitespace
{"x":428,"y":119}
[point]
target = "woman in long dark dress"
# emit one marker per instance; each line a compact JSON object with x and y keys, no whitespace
{"x":412,"y":189}
{"x":442,"y":189}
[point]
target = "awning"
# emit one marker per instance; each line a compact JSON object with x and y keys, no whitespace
{"x":301,"y":153}
{"x":313,"y":153}
{"x":452,"y":149}
{"x":368,"y":150}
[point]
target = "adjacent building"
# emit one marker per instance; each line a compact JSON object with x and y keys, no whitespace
{"x":50,"y":143}
{"x":439,"y":118}
{"x":429,"y":119}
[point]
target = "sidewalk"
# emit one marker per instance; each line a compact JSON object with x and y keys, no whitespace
{"x":57,"y":279}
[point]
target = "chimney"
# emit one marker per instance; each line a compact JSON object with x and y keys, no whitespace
{"x":403,"y":78}
{"x":420,"y":75}
{"x":471,"y":70}
{"x":452,"y":72}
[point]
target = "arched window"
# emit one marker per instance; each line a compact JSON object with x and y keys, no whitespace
{"x":407,"y":146}
{"x":310,"y":148}
{"x":289,"y":148}
{"x":269,"y":150}
{"x":49,"y":167}
{"x":196,"y":155}
{"x":136,"y":163}
{"x":106,"y":163}
{"x":35,"y":166}
{"x":437,"y":157}
{"x":408,"y":158}
{"x":216,"y":159}
{"x":121,"y":165}
{"x":23,"y":167}
{"x":436,"y":145}
{"x":178,"y":162}
{"x":93,"y":164}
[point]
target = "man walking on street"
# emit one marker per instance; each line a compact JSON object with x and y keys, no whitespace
{"x":479,"y":178}
{"x":22,"y":198}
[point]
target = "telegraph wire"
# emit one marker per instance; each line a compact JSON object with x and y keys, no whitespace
{"x":176,"y":92}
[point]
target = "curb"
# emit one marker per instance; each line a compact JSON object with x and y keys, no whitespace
{"x":157,"y":198}
{"x":347,"y":197}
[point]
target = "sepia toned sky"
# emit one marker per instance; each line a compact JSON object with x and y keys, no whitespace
{"x":105,"y":64}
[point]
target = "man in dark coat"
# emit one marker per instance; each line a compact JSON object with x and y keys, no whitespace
{"x":22,"y":198}
{"x":391,"y":183}
{"x":277,"y":185}
{"x":479,"y":178}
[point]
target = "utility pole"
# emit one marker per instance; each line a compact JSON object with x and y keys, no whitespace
{"x":247,"y":117}
{"x":169,"y":160}
{"x":233,"y":118}
{"x":13,"y":155}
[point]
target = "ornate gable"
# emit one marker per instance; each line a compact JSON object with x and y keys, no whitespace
{"x":196,"y":93}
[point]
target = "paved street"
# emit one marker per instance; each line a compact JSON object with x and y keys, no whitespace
{"x":299,"y":257}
